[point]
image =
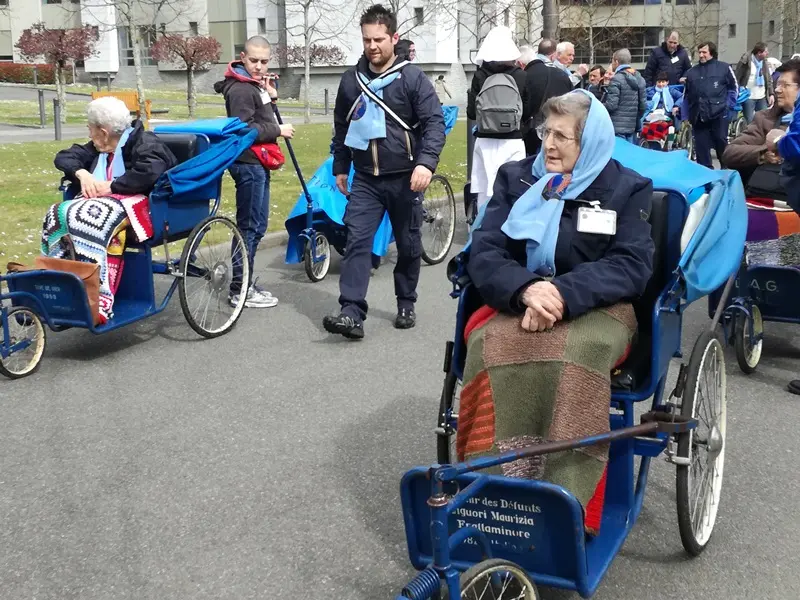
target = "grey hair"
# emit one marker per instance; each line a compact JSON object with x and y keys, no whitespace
{"x":526,"y":54}
{"x":574,"y":104}
{"x":109,"y":113}
{"x":623,"y":56}
{"x":562,"y":46}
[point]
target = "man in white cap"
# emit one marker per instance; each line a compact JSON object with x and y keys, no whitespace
{"x":497,"y":100}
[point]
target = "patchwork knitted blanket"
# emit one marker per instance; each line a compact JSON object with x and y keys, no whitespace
{"x":522,"y":388}
{"x":89,"y":227}
{"x":773,"y":233}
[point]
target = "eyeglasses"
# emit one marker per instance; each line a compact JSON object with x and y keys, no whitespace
{"x":560,"y":139}
{"x":784,"y":85}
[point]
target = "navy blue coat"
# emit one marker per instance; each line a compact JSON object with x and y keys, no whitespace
{"x":675,"y":65}
{"x":413,"y":98}
{"x":591,"y":270}
{"x":710,"y":90}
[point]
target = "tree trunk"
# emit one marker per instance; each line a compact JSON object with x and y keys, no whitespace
{"x":549,"y":19}
{"x":191,"y":92}
{"x":60,"y":91}
{"x":307,"y":63}
{"x":136,"y":42}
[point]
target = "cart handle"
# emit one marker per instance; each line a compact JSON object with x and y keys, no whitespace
{"x":292,"y":155}
{"x":652,"y":423}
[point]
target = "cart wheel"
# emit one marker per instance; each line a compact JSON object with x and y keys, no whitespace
{"x":24,"y":328}
{"x":318,"y":269}
{"x":698,"y":484}
{"x":747,"y":353}
{"x":448,"y":414}
{"x":439,"y":220}
{"x":211,"y":251}
{"x":502,"y":578}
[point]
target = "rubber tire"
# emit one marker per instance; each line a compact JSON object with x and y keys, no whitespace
{"x":308,"y":259}
{"x":443,"y":453}
{"x":742,"y":332}
{"x":479,"y":570}
{"x":451,"y":200}
{"x":185,"y":254}
{"x":682,"y":472}
{"x":38,"y":362}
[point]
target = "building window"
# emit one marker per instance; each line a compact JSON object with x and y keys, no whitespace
{"x":192,"y":28}
{"x":772,"y":27}
{"x":52,"y":1}
{"x":148,"y":38}
{"x":262,"y":26}
{"x":506,"y":17}
{"x":3,"y":2}
{"x":419,"y":16}
{"x":639,"y":40}
{"x":732,"y":30}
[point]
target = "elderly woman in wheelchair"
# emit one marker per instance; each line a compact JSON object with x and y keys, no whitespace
{"x":110,"y":178}
{"x":562,"y":248}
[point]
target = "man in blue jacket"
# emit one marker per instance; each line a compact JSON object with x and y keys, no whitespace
{"x":710,"y":89}
{"x":669,"y":57}
{"x":389,"y":124}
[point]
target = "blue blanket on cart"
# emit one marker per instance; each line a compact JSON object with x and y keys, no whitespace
{"x":715,"y":250}
{"x":329,"y":205}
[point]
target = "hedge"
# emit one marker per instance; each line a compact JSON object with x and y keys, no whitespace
{"x":23,"y":73}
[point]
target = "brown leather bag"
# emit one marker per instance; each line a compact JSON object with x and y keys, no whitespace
{"x":87,"y":272}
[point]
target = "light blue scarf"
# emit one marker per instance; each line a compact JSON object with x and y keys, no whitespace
{"x":665,"y":95}
{"x":367,"y":119}
{"x":117,"y":163}
{"x":759,"y":71}
{"x":537,"y":220}
{"x":621,"y":68}
{"x":786,"y":119}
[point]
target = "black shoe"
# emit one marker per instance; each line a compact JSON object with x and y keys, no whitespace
{"x":344,"y":325}
{"x":406,"y":318}
{"x":794,"y":387}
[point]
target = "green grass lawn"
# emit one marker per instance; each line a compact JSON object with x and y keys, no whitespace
{"x":29,"y":184}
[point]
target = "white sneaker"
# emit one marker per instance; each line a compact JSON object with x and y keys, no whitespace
{"x":254,"y":299}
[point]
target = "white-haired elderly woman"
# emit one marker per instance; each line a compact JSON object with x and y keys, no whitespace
{"x":121,"y":158}
{"x":115,"y":171}
{"x":560,"y":251}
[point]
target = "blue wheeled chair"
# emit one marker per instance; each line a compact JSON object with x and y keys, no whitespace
{"x":474,"y":533}
{"x":736,"y":121}
{"x":183,"y":206}
{"x":660,"y":129}
{"x":316,"y":223}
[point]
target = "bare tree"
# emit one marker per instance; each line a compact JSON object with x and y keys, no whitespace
{"x":528,"y":16}
{"x":194,"y":53}
{"x":784,"y":17}
{"x":594,"y":23}
{"x":477,"y":17}
{"x":141,"y":18}
{"x":311,"y":23}
{"x":550,"y":14}
{"x":696,"y":22}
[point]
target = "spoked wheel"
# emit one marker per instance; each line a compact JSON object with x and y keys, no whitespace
{"x":213,"y":249}
{"x":26,"y":341}
{"x":497,"y":579}
{"x":318,"y":263}
{"x":699,"y":483}
{"x":439,"y":220}
{"x":448,"y":414}
{"x":748,"y":349}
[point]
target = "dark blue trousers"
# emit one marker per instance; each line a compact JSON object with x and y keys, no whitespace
{"x":370,"y":197}
{"x":707,"y":135}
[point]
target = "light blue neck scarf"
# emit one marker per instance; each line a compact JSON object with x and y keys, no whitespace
{"x":621,"y":68}
{"x":537,"y":220}
{"x":367,"y":119}
{"x":759,"y":71}
{"x":665,"y":95}
{"x":117,"y":163}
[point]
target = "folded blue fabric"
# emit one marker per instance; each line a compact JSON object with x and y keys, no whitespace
{"x":215,"y":129}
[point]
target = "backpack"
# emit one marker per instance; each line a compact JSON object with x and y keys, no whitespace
{"x":498,"y":106}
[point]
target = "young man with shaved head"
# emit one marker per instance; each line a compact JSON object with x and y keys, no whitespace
{"x":389,"y":126}
{"x":249,"y":94}
{"x":671,"y":58}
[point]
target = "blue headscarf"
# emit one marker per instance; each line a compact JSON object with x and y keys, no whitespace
{"x":537,"y":220}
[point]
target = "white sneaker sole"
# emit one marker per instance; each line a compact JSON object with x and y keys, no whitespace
{"x":251,"y":304}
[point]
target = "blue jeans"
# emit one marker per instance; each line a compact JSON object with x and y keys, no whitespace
{"x":751,"y":107}
{"x":252,"y":212}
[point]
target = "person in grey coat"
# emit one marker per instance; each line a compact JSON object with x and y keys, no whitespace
{"x":626,"y":97}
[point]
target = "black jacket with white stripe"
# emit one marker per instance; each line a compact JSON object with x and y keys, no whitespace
{"x":413,"y":99}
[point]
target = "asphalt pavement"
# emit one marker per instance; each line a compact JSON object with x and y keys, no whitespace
{"x":151,"y":464}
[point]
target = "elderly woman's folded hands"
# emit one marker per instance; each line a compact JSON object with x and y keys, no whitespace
{"x":544,"y":306}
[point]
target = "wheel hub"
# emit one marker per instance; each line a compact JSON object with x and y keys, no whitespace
{"x":219,"y":276}
{"x":715,"y":442}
